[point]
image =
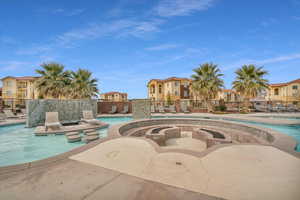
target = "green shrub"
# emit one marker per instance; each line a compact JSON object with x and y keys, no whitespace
{"x":221,"y":108}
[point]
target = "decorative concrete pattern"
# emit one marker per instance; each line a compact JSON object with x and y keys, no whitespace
{"x":141,"y":109}
{"x":69,"y":110}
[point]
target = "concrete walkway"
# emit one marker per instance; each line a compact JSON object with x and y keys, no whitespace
{"x":72,"y":180}
{"x":234,"y":172}
{"x":185,"y":142}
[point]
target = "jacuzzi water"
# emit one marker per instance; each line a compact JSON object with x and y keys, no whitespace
{"x":19,"y":144}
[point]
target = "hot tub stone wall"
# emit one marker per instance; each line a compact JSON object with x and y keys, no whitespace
{"x":68,"y":110}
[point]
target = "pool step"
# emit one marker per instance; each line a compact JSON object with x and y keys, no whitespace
{"x":73,"y":136}
{"x":90,"y":138}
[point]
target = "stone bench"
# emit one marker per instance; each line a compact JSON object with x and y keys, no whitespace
{"x":162,"y":133}
{"x":205,"y":135}
{"x":90,"y":138}
{"x":74,"y":138}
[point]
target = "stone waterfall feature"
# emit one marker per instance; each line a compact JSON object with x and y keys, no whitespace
{"x":69,"y":110}
{"x":141,"y":109}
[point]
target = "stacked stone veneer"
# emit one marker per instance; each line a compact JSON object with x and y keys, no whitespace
{"x":141,"y":109}
{"x":68,"y":110}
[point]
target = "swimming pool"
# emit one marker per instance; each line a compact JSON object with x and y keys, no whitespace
{"x":20,"y":145}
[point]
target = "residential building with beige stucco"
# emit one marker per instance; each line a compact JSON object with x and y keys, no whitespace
{"x":288,"y":92}
{"x":114,"y":96}
{"x":18,"y":89}
{"x":172,"y":88}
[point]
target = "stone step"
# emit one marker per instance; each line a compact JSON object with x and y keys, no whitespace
{"x":74,"y":138}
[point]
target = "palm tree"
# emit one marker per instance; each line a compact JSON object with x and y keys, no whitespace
{"x":82,"y":85}
{"x":207,"y":82}
{"x":53,"y":80}
{"x":249,"y":82}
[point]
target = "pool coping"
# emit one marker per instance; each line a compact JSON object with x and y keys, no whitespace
{"x":12,"y":122}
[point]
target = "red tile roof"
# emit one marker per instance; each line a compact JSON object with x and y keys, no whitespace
{"x":110,"y":93}
{"x":284,"y":84}
{"x":228,"y":90}
{"x":21,"y":78}
{"x":170,"y":79}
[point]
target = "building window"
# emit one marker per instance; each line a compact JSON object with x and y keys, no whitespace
{"x":276,"y":91}
{"x":295,"y":87}
{"x":185,"y":93}
{"x":176,"y":84}
{"x":176,"y":93}
{"x":152,"y":89}
{"x":8,"y":83}
{"x":160,"y":89}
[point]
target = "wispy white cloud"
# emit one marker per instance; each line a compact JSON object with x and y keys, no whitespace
{"x":275,"y":59}
{"x":169,"y":8}
{"x":188,"y":53}
{"x":33,"y":50}
{"x":279,"y":59}
{"x":296,"y":17}
{"x":116,"y":28}
{"x":61,"y":11}
{"x":7,"y":40}
{"x":268,"y":22}
{"x":162,"y":47}
{"x":12,"y":65}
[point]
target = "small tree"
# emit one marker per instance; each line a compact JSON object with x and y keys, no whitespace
{"x":169,"y":99}
{"x":54,"y":80}
{"x":249,"y":82}
{"x":207,"y":83}
{"x":82,"y":85}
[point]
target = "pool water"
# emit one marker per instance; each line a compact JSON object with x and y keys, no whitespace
{"x":19,"y":144}
{"x":292,"y":130}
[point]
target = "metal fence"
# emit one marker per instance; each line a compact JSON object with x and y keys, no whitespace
{"x":12,"y":104}
{"x":220,"y":105}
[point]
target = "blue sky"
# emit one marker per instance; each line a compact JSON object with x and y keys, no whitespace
{"x":125,"y":43}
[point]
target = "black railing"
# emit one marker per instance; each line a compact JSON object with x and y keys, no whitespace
{"x":12,"y":104}
{"x":236,"y":106}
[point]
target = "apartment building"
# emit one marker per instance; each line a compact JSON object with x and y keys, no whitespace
{"x":18,"y":89}
{"x":114,"y":96}
{"x":173,"y":88}
{"x":289,"y":91}
{"x":228,"y":95}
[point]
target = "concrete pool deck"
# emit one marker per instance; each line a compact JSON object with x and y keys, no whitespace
{"x":227,"y":172}
{"x":251,"y":117}
{"x":97,"y":171}
{"x":59,"y":177}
